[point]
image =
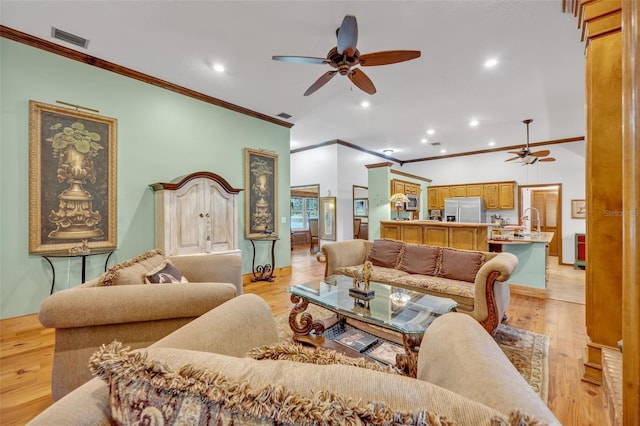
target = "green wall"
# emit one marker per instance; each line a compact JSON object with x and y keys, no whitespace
{"x":161,"y":135}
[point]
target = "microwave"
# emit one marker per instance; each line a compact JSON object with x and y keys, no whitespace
{"x":413,"y":203}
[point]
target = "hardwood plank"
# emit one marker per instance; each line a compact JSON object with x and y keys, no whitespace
{"x":26,"y":348}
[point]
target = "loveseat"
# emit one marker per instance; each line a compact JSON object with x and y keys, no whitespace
{"x":476,"y":280}
{"x":119,"y":305}
{"x":199,"y":374}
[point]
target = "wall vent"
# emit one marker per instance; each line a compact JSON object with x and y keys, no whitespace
{"x":285,"y":115}
{"x":435,"y":143}
{"x":69,"y":38}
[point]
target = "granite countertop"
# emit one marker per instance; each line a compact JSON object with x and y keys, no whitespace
{"x":441,"y":223}
{"x":544,"y":237}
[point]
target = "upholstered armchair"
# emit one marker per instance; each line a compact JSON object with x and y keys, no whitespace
{"x":118,"y":305}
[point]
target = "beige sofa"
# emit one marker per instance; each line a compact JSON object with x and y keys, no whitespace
{"x":476,"y":280}
{"x":198,"y":374}
{"x":118,"y":305}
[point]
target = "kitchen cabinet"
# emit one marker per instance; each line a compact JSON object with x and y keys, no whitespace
{"x":466,"y":236}
{"x":506,"y":195}
{"x":432,"y":198}
{"x":491,"y":196}
{"x":197,"y":214}
{"x":443,"y":193}
{"x":458,"y":191}
{"x":475,"y":191}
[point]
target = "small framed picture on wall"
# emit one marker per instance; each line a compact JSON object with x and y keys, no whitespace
{"x":578,"y":209}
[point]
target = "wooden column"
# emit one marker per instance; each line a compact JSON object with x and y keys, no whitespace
{"x":602,"y":19}
{"x":631,"y":205}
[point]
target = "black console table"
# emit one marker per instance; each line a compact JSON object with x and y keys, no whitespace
{"x":263,"y":272}
{"x":93,"y":252}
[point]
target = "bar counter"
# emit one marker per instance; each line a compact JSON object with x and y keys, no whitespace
{"x":460,"y":235}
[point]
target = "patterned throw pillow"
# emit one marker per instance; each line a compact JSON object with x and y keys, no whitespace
{"x":165,"y":273}
{"x":386,"y":253}
{"x":133,"y":271}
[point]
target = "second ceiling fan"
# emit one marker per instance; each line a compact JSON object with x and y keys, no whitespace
{"x":344,"y":57}
{"x":526,"y":156}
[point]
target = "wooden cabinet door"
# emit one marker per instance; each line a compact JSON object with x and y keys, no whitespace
{"x":475,"y":191}
{"x":458,"y":191}
{"x":397,"y":187}
{"x":186,"y":210}
{"x":443,"y":193}
{"x":432,"y":198}
{"x":436,"y":236}
{"x":390,"y":231}
{"x":411,"y":233}
{"x":506,"y":195}
{"x":491,"y":196}
{"x":463,"y":238}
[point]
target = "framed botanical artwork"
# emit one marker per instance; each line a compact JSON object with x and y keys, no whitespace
{"x":327,"y":218}
{"x":261,"y":193}
{"x":72,"y":179}
{"x":578,"y":209}
{"x":361,"y":207}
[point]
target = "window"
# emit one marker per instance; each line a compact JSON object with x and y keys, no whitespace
{"x":302,"y":209}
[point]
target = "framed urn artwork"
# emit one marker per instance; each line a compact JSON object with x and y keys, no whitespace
{"x":72,"y":179}
{"x":327,"y":216}
{"x":261,"y":193}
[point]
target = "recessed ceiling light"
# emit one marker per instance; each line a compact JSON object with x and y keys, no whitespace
{"x":430,"y":131}
{"x":364,"y":104}
{"x":423,"y":140}
{"x":490,"y":63}
{"x":442,"y":151}
{"x":492,"y":143}
{"x":218,"y":67}
{"x":473,"y":123}
{"x":387,"y":151}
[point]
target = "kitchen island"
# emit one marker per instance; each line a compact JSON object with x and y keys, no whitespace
{"x":531,"y":251}
{"x":460,"y":235}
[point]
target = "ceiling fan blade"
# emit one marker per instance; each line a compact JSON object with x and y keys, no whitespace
{"x":361,"y":80}
{"x":348,"y":35}
{"x":324,"y":78}
{"x":542,"y":153}
{"x":511,"y":159}
{"x":521,"y":152}
{"x":547,"y":159}
{"x":388,"y":57}
{"x":301,"y":59}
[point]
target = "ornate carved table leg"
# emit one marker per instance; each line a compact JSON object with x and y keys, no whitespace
{"x":408,"y":362}
{"x":302,"y":323}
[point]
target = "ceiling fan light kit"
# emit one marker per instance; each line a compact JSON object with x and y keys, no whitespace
{"x":525,"y":155}
{"x":344,"y":57}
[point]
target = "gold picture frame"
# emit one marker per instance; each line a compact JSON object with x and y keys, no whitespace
{"x":327,"y":216}
{"x":261,"y":193}
{"x":578,"y":209}
{"x":72,"y":179}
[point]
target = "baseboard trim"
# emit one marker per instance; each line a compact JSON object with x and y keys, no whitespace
{"x":523,"y":290}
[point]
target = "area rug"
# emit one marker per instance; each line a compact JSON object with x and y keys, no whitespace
{"x":527,"y":351}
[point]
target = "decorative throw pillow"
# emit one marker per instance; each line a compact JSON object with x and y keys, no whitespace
{"x":165,"y":273}
{"x":144,"y":390}
{"x":420,"y":259}
{"x":460,"y":265}
{"x":133,"y":271}
{"x":386,"y":253}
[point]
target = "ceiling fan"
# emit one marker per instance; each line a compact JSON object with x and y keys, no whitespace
{"x":345,"y":56}
{"x":525,"y":155}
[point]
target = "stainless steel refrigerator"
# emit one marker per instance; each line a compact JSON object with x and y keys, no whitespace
{"x":464,"y":209}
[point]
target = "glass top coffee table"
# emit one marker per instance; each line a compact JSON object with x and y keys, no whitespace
{"x":404,"y":312}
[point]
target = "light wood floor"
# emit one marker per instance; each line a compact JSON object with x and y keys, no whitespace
{"x":26,"y":349}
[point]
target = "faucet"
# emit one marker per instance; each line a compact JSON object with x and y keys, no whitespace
{"x":538,"y":233}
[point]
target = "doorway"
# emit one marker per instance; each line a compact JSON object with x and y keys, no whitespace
{"x":547,"y":200}
{"x":304,"y":208}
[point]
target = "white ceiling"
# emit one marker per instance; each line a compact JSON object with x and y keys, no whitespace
{"x":540,"y":74}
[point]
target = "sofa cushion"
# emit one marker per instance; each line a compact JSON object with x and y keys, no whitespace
{"x":165,"y":273}
{"x":420,"y":259}
{"x":378,"y":273}
{"x":133,"y":271}
{"x":386,"y":253}
{"x":146,"y":390}
{"x":460,"y":291}
{"x":460,"y":265}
